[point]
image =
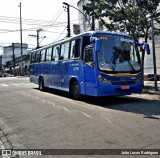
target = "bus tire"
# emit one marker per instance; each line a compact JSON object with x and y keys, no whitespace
{"x":41,"y":84}
{"x":75,"y":91}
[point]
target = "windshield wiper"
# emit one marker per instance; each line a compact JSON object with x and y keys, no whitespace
{"x":131,"y":65}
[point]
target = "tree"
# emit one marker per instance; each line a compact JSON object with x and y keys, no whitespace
{"x":132,"y":16}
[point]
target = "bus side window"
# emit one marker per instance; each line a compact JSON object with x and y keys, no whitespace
{"x":64,"y":51}
{"x":48,"y":54}
{"x":52,"y":56}
{"x":72,"y":50}
{"x":38,"y":57}
{"x":32,"y":57}
{"x":85,"y":41}
{"x":56,"y":52}
{"x":43,"y":55}
{"x":77,"y":48}
{"x":88,"y":58}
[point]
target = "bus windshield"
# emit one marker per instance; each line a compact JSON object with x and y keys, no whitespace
{"x":118,"y":54}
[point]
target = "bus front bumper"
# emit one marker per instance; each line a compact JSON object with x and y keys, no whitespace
{"x":117,"y":90}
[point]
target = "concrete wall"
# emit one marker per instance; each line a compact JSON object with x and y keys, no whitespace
{"x":148,"y":62}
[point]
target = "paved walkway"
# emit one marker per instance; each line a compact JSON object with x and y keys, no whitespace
{"x":150,"y":88}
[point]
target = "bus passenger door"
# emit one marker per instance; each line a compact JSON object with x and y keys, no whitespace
{"x":56,"y":68}
{"x":89,"y":71}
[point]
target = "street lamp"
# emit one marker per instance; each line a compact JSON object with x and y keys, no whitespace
{"x":68,"y":10}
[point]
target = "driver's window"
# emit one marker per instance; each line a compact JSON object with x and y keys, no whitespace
{"x":88,"y":59}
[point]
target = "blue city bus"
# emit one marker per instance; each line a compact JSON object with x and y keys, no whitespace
{"x":94,"y":63}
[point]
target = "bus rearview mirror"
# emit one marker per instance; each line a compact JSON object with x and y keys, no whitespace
{"x":146,"y":46}
{"x":97,"y":45}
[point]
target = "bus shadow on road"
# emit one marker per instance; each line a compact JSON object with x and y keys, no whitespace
{"x":56,"y":92}
{"x":149,"y":108}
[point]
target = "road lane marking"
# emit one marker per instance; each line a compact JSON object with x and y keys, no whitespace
{"x":49,"y":103}
{"x":66,"y":109}
{"x":53,"y":105}
{"x":5,"y":85}
{"x":26,"y":84}
{"x":108,"y":120}
{"x":86,"y":114}
{"x":15,"y":84}
{"x":44,"y":101}
{"x":36,"y":97}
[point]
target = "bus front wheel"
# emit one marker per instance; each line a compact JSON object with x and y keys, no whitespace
{"x":41,"y":84}
{"x":75,"y":92}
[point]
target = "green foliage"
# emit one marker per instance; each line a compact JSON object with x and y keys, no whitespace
{"x":26,"y":58}
{"x":132,"y":16}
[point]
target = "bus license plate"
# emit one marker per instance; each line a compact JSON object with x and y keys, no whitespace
{"x":124,"y":87}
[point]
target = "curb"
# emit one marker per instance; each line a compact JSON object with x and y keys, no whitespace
{"x":152,"y":92}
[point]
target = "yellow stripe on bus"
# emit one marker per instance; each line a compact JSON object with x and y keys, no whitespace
{"x":122,"y":74}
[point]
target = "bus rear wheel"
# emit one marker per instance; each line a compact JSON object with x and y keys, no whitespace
{"x":41,"y":84}
{"x":75,"y":92}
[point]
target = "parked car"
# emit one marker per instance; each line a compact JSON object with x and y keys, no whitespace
{"x":7,"y":75}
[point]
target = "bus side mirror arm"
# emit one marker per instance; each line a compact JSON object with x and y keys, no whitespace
{"x":96,"y":42}
{"x":144,"y":44}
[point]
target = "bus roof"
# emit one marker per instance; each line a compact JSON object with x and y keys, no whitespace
{"x":92,"y":33}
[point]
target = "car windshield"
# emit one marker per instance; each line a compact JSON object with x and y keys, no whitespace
{"x":118,"y":53}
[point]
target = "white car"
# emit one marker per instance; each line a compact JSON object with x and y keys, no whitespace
{"x":7,"y":75}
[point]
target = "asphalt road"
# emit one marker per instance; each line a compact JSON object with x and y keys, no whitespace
{"x":31,"y":119}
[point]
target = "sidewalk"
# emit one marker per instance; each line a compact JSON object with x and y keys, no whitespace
{"x":150,"y":88}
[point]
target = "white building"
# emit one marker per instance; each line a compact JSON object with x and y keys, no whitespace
{"x":86,"y":21}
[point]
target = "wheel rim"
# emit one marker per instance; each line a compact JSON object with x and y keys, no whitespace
{"x":76,"y":93}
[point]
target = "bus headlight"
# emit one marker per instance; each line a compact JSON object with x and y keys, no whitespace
{"x":102,"y":79}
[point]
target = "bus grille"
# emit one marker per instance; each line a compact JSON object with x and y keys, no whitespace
{"x":122,"y":82}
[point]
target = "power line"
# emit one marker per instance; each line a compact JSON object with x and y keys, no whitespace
{"x":59,"y":35}
{"x":54,"y":17}
{"x":29,"y":20}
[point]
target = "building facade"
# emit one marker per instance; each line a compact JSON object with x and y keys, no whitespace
{"x":11,"y":57}
{"x":86,"y":21}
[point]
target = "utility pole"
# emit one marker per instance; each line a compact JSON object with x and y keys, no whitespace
{"x":37,"y":37}
{"x":21,"y":40}
{"x":154,"y":55}
{"x":68,"y":17}
{"x":77,"y":10}
{"x":13,"y":59}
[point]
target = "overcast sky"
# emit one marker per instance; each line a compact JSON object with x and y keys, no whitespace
{"x":48,"y":15}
